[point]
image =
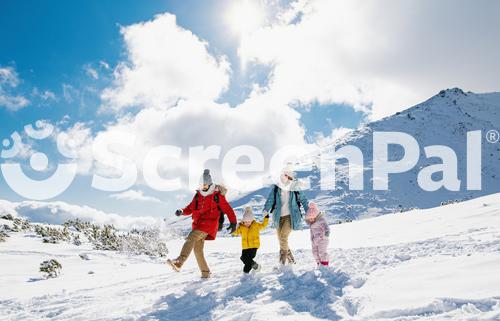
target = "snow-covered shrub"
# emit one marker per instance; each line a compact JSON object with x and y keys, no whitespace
{"x":3,"y":235}
{"x":6,"y":228}
{"x":144,"y":242}
{"x":76,"y":240}
{"x":451,"y":202}
{"x":21,"y":224}
{"x":51,"y":268}
{"x":4,"y":232}
{"x":136,"y":242}
{"x":78,"y":224}
{"x":84,"y":256}
{"x":53,"y":234}
{"x":108,"y":238}
{"x":7,"y":216}
{"x":50,"y":240}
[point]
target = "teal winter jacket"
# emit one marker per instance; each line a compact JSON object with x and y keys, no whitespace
{"x":273,"y":205}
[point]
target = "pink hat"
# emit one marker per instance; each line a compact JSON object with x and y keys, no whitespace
{"x":312,"y":212}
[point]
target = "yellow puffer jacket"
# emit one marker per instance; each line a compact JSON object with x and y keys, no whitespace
{"x":250,"y":236}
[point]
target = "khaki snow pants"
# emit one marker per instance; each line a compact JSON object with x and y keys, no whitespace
{"x":284,"y":230}
{"x":195,"y":241}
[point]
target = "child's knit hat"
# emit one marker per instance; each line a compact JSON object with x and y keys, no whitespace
{"x":312,"y":212}
{"x":248,"y":215}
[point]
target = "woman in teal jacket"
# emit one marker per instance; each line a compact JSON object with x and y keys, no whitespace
{"x":285,"y":205}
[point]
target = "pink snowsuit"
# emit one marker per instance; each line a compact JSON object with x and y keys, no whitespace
{"x":320,"y":232}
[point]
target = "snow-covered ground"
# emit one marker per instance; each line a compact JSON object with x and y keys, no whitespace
{"x":435,"y":264}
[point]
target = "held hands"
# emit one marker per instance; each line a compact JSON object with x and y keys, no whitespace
{"x":231,"y":228}
{"x":178,"y":213}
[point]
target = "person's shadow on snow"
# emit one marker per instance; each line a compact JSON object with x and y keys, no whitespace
{"x":194,"y":306}
{"x":189,"y":306}
{"x":312,"y":292}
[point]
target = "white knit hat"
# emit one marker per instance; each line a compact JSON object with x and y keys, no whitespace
{"x":288,"y":170}
{"x":248,"y":215}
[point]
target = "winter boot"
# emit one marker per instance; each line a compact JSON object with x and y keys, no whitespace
{"x":290,"y":257}
{"x":175,"y":264}
{"x":256,"y":267}
{"x":283,"y":256}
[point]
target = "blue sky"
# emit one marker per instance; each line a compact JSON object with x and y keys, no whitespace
{"x":331,"y":62}
{"x":50,"y":47}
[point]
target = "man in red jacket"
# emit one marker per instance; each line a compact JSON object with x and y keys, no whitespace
{"x":205,"y":209}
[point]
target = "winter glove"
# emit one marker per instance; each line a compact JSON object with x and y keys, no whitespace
{"x":232,"y":228}
{"x":178,"y":213}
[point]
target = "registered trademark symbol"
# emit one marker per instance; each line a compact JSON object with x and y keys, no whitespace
{"x":492,"y":136}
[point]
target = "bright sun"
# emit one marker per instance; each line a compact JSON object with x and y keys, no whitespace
{"x":245,"y":16}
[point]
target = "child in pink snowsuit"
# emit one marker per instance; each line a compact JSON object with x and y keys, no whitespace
{"x":320,"y":231}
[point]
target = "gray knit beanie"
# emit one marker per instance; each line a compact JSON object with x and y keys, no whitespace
{"x":207,"y":178}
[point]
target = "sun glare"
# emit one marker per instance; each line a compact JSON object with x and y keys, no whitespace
{"x":245,"y":16}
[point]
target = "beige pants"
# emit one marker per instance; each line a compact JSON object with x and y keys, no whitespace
{"x":284,"y":230}
{"x":195,"y":241}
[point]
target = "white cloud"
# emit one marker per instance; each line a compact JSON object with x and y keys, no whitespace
{"x":104,"y":65}
{"x":70,"y":93}
{"x":171,"y":76}
{"x":388,"y":55}
{"x":48,"y":95}
{"x":76,"y":142}
{"x":9,"y":80}
{"x":60,"y":212}
{"x":9,"y":77}
{"x":24,"y":152}
{"x":45,"y":95}
{"x":192,"y":124}
{"x":91,"y":72}
{"x":135,"y":195}
{"x":165,"y":63}
{"x":322,"y":140}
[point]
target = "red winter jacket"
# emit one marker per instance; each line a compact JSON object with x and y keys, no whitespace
{"x":206,"y":215}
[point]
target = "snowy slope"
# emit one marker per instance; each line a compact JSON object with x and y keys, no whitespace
{"x":442,"y":120}
{"x":434,"y":264}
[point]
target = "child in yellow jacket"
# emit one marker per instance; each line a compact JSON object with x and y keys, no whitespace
{"x":249,"y":229}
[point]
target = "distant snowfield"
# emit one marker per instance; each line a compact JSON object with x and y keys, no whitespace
{"x":435,"y":264}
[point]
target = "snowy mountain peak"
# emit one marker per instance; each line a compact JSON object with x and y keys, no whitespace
{"x":452,"y":92}
{"x":444,"y":119}
{"x":448,"y":98}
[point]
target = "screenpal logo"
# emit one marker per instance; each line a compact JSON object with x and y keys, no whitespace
{"x":231,"y":167}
